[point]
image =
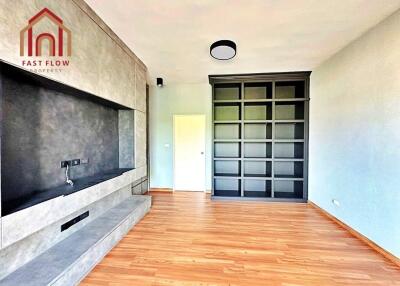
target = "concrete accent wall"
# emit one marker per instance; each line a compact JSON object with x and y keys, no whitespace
{"x":140,"y":89}
{"x":100,"y":63}
{"x":140,"y":139}
{"x":126,"y":134}
{"x":141,"y":121}
{"x":354,"y":135}
{"x":164,"y":103}
{"x":43,"y":127}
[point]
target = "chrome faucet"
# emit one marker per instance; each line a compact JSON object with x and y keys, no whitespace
{"x":67,"y":179}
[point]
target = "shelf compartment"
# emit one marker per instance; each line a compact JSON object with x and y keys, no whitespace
{"x":289,"y":110}
{"x":226,"y":111}
{"x":226,"y":131}
{"x":227,"y":140}
{"x":257,"y":131}
{"x":289,"y":89}
{"x":288,"y":189}
{"x":258,"y":90}
{"x":228,"y":187}
{"x":258,"y":111}
{"x":257,"y":188}
{"x":289,"y":160}
{"x":257,"y":168}
{"x":289,"y":150}
{"x":288,"y":170}
{"x":227,"y":149}
{"x":289,"y":131}
{"x":258,"y":159}
{"x":227,"y":121}
{"x":225,"y":159}
{"x":227,"y":91}
{"x":257,"y":150}
{"x":228,"y":168}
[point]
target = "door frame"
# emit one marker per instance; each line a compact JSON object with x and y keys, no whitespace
{"x":173,"y":148}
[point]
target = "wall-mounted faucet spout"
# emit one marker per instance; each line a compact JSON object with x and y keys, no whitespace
{"x":67,"y":179}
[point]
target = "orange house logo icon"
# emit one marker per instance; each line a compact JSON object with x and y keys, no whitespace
{"x":55,"y":40}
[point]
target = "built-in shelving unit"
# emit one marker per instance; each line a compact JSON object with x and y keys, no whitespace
{"x":260,"y":136}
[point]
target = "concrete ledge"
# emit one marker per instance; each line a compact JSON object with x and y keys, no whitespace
{"x":70,"y":260}
{"x":15,"y":226}
{"x":27,"y":249}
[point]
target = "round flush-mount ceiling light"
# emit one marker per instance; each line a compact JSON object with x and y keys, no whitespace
{"x":223,"y":50}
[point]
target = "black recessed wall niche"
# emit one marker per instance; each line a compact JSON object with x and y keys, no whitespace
{"x":45,"y":122}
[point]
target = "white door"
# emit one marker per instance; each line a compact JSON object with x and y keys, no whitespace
{"x":189,"y":152}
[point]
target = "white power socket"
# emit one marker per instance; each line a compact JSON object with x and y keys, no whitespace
{"x":336,"y":202}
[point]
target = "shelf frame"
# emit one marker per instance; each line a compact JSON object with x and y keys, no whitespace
{"x":271,"y":78}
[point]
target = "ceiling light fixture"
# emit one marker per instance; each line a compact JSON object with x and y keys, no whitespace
{"x":223,"y":50}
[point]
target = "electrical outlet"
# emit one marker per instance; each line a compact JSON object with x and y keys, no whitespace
{"x":84,"y":161}
{"x":65,"y":163}
{"x":74,"y":162}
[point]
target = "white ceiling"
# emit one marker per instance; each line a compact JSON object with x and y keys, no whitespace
{"x":173,"y":37}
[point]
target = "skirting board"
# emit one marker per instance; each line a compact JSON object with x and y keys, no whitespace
{"x":170,"y":190}
{"x":358,"y":235}
{"x":161,"y":190}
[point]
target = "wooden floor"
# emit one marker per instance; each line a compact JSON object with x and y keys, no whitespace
{"x":187,"y":239}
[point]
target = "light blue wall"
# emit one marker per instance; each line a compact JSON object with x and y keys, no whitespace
{"x":355,"y":135}
{"x":164,"y":103}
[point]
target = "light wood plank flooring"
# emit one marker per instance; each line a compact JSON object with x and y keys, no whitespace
{"x":187,"y":239}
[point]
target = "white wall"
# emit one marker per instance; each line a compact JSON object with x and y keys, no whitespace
{"x":355,"y":135}
{"x":164,"y":103}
